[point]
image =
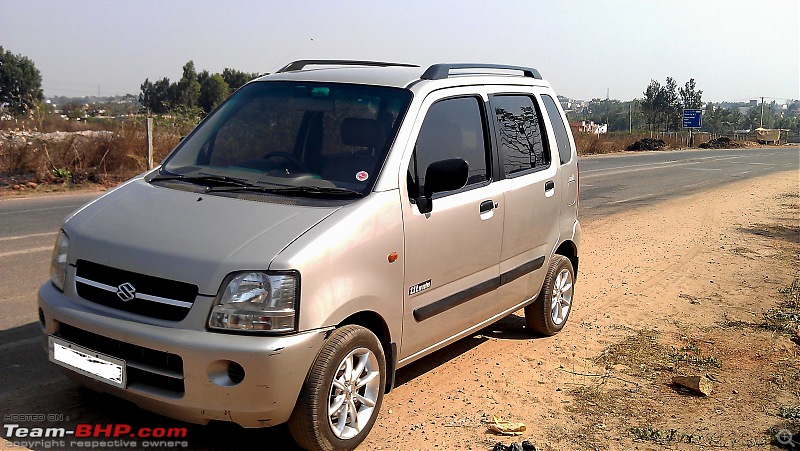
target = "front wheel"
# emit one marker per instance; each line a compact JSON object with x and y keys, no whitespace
{"x":549,"y":312}
{"x":340,"y":400}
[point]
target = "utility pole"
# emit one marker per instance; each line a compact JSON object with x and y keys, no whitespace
{"x":149,"y":143}
{"x":630,"y":119}
{"x":762,"y":113}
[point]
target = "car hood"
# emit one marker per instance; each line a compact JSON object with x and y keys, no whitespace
{"x":184,"y":236}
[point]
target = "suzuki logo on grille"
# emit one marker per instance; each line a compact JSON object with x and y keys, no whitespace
{"x":126,"y":292}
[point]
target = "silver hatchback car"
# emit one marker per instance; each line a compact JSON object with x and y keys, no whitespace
{"x":325,"y":226}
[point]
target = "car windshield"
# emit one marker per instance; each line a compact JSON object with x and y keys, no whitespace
{"x":294,"y":134}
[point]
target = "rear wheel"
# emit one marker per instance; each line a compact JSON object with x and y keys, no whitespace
{"x":340,"y":400}
{"x":549,"y":312}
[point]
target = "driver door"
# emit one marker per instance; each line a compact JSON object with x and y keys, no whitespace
{"x":451,"y":253}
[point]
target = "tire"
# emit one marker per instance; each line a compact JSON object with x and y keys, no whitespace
{"x":548,"y":314}
{"x":335,"y":387}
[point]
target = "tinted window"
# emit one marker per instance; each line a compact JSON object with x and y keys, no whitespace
{"x":256,"y":129}
{"x":453,"y":128}
{"x":562,"y":140}
{"x":296,"y":134}
{"x":520,"y":131}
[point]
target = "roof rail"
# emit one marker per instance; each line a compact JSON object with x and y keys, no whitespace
{"x":299,"y":65}
{"x":441,"y":71}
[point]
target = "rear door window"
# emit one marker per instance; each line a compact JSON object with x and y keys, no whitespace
{"x":519,"y":129}
{"x":562,"y":140}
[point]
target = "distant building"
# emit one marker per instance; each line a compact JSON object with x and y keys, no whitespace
{"x":566,"y":103}
{"x":589,"y":127}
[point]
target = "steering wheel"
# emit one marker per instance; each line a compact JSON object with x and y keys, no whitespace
{"x":294,"y":166}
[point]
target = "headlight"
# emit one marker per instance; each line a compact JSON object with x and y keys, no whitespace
{"x":58,"y":264}
{"x":257,"y":301}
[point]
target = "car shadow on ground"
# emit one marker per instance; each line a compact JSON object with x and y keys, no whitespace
{"x":511,"y":327}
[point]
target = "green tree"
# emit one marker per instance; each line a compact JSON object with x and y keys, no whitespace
{"x":187,"y":90}
{"x":661,"y":105}
{"x":202,"y":76}
{"x":620,"y":116}
{"x":195,"y":93}
{"x":691,"y":97}
{"x":213,"y":91}
{"x":670,"y":105}
{"x":651,"y":104}
{"x":20,"y":83}
{"x":751,"y":120}
{"x":719,"y":120}
{"x":156,"y":97}
{"x":73,"y":110}
{"x":236,"y":78}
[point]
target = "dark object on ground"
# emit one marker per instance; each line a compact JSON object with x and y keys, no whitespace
{"x":515,"y":446}
{"x":721,"y":143}
{"x":648,"y":144}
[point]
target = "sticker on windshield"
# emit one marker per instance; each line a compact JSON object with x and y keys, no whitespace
{"x":362,"y":176}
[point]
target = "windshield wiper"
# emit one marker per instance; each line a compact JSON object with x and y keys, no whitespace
{"x":294,"y":190}
{"x":206,"y":179}
{"x":221,"y":183}
{"x":317,"y":190}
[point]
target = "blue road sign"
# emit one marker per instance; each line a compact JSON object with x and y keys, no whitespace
{"x":692,"y":118}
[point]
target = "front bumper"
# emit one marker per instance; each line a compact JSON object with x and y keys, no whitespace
{"x":275,"y":368}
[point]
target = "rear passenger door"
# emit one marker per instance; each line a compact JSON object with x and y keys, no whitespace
{"x":451,"y":253}
{"x":532,"y":188}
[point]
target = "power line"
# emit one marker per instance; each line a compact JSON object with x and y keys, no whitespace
{"x":748,"y":99}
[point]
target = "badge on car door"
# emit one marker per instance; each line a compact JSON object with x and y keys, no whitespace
{"x":414,"y":289}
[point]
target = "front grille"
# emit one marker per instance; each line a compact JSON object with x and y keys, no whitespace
{"x":144,"y":366}
{"x":133,"y":292}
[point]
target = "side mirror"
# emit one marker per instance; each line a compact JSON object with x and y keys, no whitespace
{"x":443,"y":175}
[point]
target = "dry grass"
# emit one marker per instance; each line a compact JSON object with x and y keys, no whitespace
{"x":642,"y":354}
{"x":590,"y":144}
{"x":116,"y":152}
{"x":785,"y":317}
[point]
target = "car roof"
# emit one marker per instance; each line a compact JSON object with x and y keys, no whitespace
{"x":399,"y":77}
{"x":394,"y":74}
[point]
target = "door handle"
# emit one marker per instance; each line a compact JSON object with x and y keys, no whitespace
{"x":549,"y":185}
{"x":486,"y":206}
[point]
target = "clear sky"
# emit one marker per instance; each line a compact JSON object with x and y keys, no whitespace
{"x":734,"y":49}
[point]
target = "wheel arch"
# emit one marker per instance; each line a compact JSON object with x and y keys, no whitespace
{"x":377,"y":325}
{"x":570,"y":250}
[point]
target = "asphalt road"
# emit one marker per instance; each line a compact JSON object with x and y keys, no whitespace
{"x":609,"y":184}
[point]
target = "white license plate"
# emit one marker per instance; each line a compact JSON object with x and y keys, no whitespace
{"x":87,"y":362}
